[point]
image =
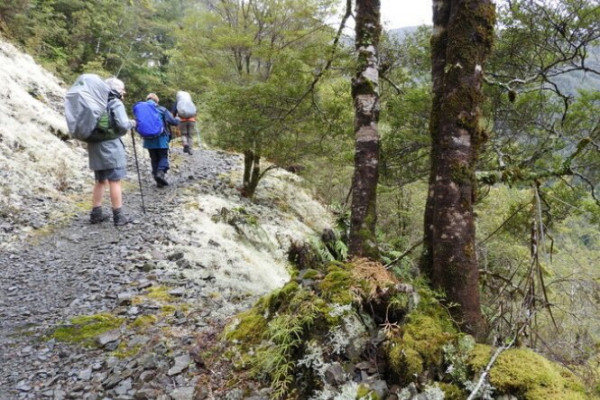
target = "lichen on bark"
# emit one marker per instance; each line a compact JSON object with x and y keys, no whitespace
{"x":461,"y":41}
{"x":365,"y":92}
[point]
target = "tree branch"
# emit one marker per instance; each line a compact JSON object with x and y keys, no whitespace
{"x":334,"y":47}
{"x":407,"y":252}
{"x":499,"y":351}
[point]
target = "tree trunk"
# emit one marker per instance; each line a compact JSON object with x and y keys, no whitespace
{"x":365,"y":92}
{"x":462,"y":39}
{"x":251,"y":173}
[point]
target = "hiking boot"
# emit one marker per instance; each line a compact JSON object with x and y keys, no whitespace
{"x":120,"y":218}
{"x":158,"y":184}
{"x":96,"y":216}
{"x":160,"y":179}
{"x":187,"y":149}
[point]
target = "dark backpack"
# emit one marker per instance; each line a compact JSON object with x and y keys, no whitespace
{"x":149,"y":121}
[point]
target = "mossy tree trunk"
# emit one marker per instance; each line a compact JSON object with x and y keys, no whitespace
{"x":461,"y":42}
{"x":365,"y":92}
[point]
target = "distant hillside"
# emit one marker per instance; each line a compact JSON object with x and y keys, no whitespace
{"x":401,"y":33}
{"x":569,"y":83}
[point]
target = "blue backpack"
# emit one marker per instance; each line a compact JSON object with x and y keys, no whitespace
{"x":148,"y":119}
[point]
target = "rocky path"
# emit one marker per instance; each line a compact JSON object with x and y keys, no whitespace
{"x":154,"y":315}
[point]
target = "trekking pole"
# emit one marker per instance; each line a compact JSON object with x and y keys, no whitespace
{"x":137,"y":167}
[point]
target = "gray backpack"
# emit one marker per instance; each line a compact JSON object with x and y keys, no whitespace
{"x":185,"y":106}
{"x":86,"y":101}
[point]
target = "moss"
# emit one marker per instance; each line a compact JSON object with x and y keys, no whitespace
{"x":452,"y":392}
{"x":159,"y":293}
{"x":336,"y":286}
{"x":528,"y":375}
{"x":125,"y":352}
{"x":143,"y":321}
{"x":365,"y":393}
{"x":480,"y":356}
{"x":400,"y":302}
{"x":84,"y":329}
{"x":168,"y":309}
{"x":267,"y":340}
{"x":461,"y":173}
{"x":419,"y":344}
{"x":405,"y":362}
{"x":250,"y":328}
{"x":311,"y":274}
{"x":273,"y":302}
{"x":427,"y":335}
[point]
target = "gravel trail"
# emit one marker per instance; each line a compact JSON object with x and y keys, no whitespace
{"x":83,"y":269}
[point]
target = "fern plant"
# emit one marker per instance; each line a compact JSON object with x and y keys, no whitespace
{"x":285,"y":335}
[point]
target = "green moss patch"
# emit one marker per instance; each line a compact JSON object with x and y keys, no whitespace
{"x":159,"y":293}
{"x":419,"y":344}
{"x":84,"y":329}
{"x":249,"y":328}
{"x":144,"y":321}
{"x":336,"y":285}
{"x":123,"y":351}
{"x":528,"y":375}
{"x":268,"y":339}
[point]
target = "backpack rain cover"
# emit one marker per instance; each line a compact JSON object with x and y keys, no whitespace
{"x":149,"y":122}
{"x":185,"y":106}
{"x":85,"y":102}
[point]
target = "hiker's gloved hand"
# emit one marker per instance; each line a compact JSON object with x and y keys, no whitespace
{"x":133,"y":123}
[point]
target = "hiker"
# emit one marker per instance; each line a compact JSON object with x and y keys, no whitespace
{"x":107,"y":159}
{"x":158,"y":147}
{"x":186,"y":111}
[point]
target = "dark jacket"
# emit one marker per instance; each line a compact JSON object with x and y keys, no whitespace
{"x":162,"y":141}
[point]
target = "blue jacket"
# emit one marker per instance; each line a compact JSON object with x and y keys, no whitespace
{"x":162,"y":141}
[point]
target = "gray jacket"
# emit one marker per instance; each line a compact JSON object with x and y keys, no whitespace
{"x":110,"y":154}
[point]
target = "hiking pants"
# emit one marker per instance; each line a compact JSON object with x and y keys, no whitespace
{"x":187,"y":129}
{"x":159,"y":158}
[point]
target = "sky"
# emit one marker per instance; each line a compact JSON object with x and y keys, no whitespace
{"x":401,"y":13}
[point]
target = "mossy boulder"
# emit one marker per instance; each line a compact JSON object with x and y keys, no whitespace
{"x":336,"y":285}
{"x":528,"y":375}
{"x":419,"y":345}
{"x":248,"y":328}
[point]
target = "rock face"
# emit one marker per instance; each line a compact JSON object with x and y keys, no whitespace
{"x":40,"y":172}
{"x":96,"y":311}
